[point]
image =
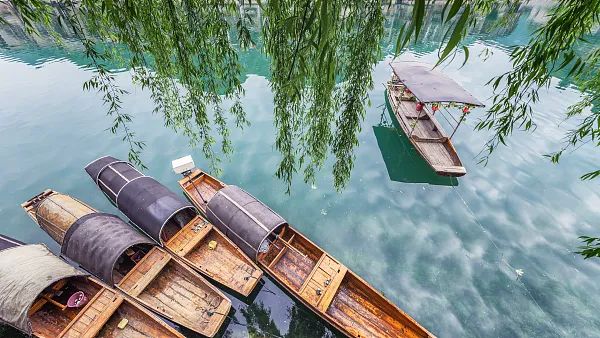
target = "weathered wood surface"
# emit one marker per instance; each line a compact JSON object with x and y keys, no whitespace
{"x":175,"y":291}
{"x":55,"y":212}
{"x":98,"y":318}
{"x":158,"y":280}
{"x":322,"y":283}
{"x":226,"y":263}
{"x":425,"y":134}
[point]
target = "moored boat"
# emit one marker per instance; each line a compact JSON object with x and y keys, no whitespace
{"x":416,"y":94}
{"x":106,"y":246}
{"x":175,"y":224}
{"x":309,"y":273}
{"x":43,"y":296}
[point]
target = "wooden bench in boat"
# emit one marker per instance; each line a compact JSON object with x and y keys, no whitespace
{"x":225,"y":264}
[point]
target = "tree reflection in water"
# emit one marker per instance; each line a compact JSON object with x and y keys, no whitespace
{"x":187,"y":55}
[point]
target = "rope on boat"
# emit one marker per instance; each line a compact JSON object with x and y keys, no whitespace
{"x":505,"y":261}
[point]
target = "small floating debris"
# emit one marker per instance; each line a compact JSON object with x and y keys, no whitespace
{"x":323,"y":212}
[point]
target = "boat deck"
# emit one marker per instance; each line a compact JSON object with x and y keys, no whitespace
{"x":333,"y":291}
{"x":163,"y":284}
{"x":319,"y":281}
{"x":225,"y":263}
{"x":426,"y":134}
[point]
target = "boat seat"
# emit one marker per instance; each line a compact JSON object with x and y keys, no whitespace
{"x":46,"y":297}
{"x":430,"y":140}
{"x":422,"y":117}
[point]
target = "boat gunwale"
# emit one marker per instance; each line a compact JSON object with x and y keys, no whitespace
{"x":323,"y":314}
{"x":403,"y":121}
{"x":32,"y":209}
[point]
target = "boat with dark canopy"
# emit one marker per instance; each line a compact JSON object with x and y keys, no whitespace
{"x":43,"y":296}
{"x":175,"y":224}
{"x":417,"y":94}
{"x":309,"y":273}
{"x":115,"y":252}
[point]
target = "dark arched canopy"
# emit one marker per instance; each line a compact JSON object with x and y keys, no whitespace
{"x":147,"y":203}
{"x":97,"y":241}
{"x":244,"y":219}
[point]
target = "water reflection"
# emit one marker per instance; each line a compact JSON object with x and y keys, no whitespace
{"x":259,"y":322}
{"x":417,"y":243}
{"x":402,"y":161}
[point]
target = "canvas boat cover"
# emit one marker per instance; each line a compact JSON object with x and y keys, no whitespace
{"x":243,"y":218}
{"x":146,"y":202}
{"x":25,"y":271}
{"x":430,"y":85}
{"x":96,"y":241}
{"x":7,"y":242}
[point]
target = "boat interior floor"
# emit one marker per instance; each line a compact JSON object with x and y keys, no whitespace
{"x":49,"y":314}
{"x":184,"y":297}
{"x":330,"y":288}
{"x":201,"y":187}
{"x":223,"y":262}
{"x":139,"y":324}
{"x":129,"y":260}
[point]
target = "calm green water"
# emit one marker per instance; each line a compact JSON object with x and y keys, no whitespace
{"x":443,"y":250}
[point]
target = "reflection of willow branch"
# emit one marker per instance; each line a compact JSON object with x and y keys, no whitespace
{"x":104,"y":82}
{"x":300,"y":38}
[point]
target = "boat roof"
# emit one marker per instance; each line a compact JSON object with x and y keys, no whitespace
{"x":97,"y":241}
{"x":25,"y":272}
{"x":8,"y":242}
{"x":144,"y":200}
{"x":430,"y":85}
{"x":234,"y":211}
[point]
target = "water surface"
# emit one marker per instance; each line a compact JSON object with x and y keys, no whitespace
{"x":444,"y":250}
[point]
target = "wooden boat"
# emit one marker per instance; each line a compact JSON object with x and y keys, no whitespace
{"x":315,"y":278}
{"x":107,"y":247}
{"x":175,"y":224}
{"x":35,"y":287}
{"x":414,"y":86}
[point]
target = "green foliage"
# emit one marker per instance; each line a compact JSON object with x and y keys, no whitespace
{"x":551,"y":50}
{"x":180,"y":51}
{"x":259,"y":322}
{"x":322,"y":53}
{"x":591,"y":247}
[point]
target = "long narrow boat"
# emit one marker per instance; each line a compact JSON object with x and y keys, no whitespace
{"x":318,"y":280}
{"x":113,"y":251}
{"x":414,"y":86}
{"x":43,"y":296}
{"x":175,"y":224}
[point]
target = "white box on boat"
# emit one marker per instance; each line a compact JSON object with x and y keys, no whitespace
{"x":183,"y":164}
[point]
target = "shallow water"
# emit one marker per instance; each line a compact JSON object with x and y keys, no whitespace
{"x":443,"y":250}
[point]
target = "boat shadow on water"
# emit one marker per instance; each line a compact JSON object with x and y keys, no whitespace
{"x":402,"y":161}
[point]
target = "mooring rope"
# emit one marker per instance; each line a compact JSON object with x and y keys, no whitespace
{"x":505,"y":261}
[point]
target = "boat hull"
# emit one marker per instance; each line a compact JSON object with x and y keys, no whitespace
{"x":426,"y":135}
{"x":320,"y":282}
{"x":158,"y":281}
{"x":172,"y":289}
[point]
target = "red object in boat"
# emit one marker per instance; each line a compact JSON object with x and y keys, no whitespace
{"x":420,"y":106}
{"x":78,"y":299}
{"x":435,"y":107}
{"x":465,"y":109}
{"x":407,"y":91}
